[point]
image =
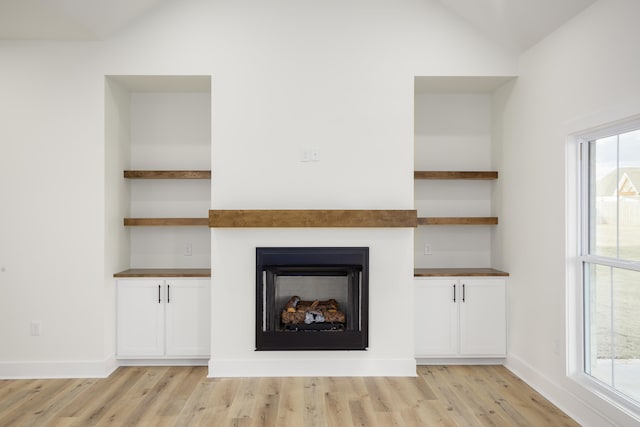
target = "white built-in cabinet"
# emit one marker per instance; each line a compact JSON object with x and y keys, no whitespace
{"x":460,"y":317}
{"x":161,"y":318}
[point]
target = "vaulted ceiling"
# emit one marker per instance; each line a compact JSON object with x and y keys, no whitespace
{"x":514,"y":24}
{"x":68,"y":19}
{"x":517,"y":24}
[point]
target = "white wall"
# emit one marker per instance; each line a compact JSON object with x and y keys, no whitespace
{"x":286,"y":75}
{"x":117,"y":195}
{"x":586,"y":74}
{"x":499,"y":99}
{"x":52,"y":222}
{"x":453,"y":132}
{"x":170,"y":130}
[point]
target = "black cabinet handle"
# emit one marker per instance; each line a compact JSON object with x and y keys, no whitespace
{"x":159,"y":300}
{"x":454,"y":292}
{"x":463,"y":293}
{"x":168,"y":293}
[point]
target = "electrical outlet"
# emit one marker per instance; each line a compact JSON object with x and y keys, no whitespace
{"x":36,"y":329}
{"x":310,"y":155}
{"x":187,"y":250}
{"x":427,"y":249}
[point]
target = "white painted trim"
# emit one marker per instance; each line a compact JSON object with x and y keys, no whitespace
{"x":58,"y":369}
{"x":312,"y":368}
{"x":581,"y":411}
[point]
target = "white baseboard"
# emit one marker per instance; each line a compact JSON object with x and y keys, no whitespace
{"x":63,"y":369}
{"x":163,"y":362}
{"x":460,"y":360}
{"x":312,"y":368}
{"x":581,"y":411}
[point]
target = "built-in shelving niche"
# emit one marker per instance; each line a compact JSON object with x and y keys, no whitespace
{"x":159,"y":146}
{"x":456,"y":174}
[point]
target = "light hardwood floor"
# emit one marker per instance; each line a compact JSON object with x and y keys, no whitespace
{"x":183,"y":396}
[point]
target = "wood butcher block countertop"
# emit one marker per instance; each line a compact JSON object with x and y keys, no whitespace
{"x":165,"y":272}
{"x":206,"y":272}
{"x":457,"y":272}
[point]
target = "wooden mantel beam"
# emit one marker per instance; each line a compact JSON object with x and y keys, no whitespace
{"x":311,"y":218}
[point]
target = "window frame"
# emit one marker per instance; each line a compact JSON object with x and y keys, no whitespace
{"x":577,"y":294}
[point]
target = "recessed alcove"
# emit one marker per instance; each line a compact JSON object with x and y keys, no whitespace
{"x":158,"y":129}
{"x":457,"y":179}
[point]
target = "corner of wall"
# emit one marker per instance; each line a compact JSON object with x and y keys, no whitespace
{"x":582,"y":412}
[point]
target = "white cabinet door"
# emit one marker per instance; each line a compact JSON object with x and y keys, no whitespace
{"x":436,"y":314}
{"x":140,"y":318}
{"x":187,"y":317}
{"x":483,"y":317}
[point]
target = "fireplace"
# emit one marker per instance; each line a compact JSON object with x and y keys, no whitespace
{"x":312,"y":298}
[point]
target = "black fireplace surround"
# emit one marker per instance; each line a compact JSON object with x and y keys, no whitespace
{"x":338,"y":274}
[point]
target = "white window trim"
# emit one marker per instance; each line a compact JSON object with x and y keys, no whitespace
{"x":577,"y":235}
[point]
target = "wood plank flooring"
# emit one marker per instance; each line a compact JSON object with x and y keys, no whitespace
{"x":183,"y":396}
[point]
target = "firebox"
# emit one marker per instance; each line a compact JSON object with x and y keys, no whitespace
{"x":312,"y":298}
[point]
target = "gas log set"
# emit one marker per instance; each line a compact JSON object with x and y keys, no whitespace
{"x":298,"y":314}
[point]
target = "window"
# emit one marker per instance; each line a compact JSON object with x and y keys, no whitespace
{"x":610,"y":259}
